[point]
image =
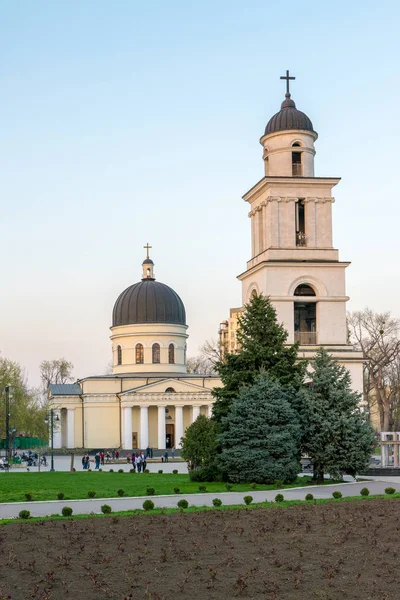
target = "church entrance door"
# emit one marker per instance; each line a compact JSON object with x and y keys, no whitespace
{"x":169,"y":435}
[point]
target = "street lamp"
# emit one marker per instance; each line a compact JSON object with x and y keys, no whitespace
{"x":8,"y":398}
{"x":52,"y":435}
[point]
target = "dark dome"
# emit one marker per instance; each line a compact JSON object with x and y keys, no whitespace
{"x":148,"y":301}
{"x":288,"y":118}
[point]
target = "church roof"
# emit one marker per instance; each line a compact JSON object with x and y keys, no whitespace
{"x":289,"y":118}
{"x":65,"y":389}
{"x":148,"y":301}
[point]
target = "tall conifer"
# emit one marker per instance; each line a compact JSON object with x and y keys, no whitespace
{"x":262,"y":347}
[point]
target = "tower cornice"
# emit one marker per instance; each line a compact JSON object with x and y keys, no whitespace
{"x":292,"y":182}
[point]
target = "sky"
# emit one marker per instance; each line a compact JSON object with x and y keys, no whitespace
{"x":130,"y":122}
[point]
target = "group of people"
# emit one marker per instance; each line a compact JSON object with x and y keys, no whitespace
{"x":139,"y":461}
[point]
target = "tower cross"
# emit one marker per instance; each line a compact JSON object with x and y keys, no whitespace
{"x":147,"y":248}
{"x":287,"y":81}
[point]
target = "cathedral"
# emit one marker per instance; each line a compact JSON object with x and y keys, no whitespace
{"x":150,"y":399}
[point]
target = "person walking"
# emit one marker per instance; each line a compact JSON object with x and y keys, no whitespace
{"x":173,"y":452}
{"x":138,"y":463}
{"x":143,"y":461}
{"x":97,"y":460}
{"x":133,"y":462}
{"x":166,"y":456}
{"x":148,"y":452}
{"x":102,"y":458}
{"x":116,"y":454}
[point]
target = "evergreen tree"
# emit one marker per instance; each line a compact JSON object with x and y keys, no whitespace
{"x":262,"y":346}
{"x":199,"y":444}
{"x":336,"y":435}
{"x":261,"y":441}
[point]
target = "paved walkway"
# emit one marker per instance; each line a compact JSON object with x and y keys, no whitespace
{"x":41,"y":509}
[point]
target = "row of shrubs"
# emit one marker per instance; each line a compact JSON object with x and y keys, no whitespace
{"x":182,"y":504}
{"x":160,"y":471}
{"x":150,"y":491}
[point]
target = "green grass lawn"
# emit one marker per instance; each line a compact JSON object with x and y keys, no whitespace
{"x":46,"y":486}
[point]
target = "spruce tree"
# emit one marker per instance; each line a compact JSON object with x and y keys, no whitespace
{"x":262,"y":346}
{"x":261,"y":441}
{"x":336,"y":435}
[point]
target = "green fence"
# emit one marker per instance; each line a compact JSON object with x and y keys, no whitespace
{"x":25,"y":443}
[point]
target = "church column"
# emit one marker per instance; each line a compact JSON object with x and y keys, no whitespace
{"x":57,"y":437}
{"x":144,"y":427}
{"x":71,"y":428}
{"x":274,"y":226}
{"x":209,"y":411}
{"x":195,"y":412}
{"x":127,"y":427}
{"x":178,"y":425}
{"x":161,"y":427}
{"x":310,"y":222}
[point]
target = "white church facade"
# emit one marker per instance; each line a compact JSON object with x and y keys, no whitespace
{"x":150,"y":399}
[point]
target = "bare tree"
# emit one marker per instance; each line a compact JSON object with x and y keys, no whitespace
{"x":204,"y":363}
{"x":377,"y":335}
{"x":55,"y":371}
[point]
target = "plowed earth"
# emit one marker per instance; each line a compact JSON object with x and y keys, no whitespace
{"x":334,"y":551}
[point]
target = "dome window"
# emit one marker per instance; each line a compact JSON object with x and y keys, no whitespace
{"x":156,"y":353}
{"x":171,"y":354}
{"x":139,"y":354}
{"x":170,"y":390}
{"x":119,"y":355}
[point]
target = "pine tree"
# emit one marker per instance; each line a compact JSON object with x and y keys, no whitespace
{"x":262,"y":346}
{"x":261,"y":441}
{"x":336,"y":435}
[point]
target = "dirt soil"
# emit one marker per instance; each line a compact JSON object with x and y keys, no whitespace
{"x":305,"y":552}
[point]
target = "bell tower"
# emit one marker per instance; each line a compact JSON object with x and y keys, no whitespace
{"x":293,"y":260}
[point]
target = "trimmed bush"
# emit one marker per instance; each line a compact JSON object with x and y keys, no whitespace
{"x":183,"y":504}
{"x":111,"y":471}
{"x":248,"y":499}
{"x":206,"y":474}
{"x":28,"y":496}
{"x":279,"y":498}
{"x":175,"y":471}
{"x":100,"y":470}
{"x":91,"y":494}
{"x":106,"y":509}
{"x":132,"y":470}
{"x":160,"y":471}
{"x":337,"y":495}
{"x":148,"y":505}
{"x":89,"y":470}
{"x":24,"y":514}
{"x":202,"y":488}
{"x":309,"y":497}
{"x":121,"y":471}
{"x":177,"y":490}
{"x":60,"y":496}
{"x":253,"y":486}
{"x":278,"y":484}
{"x":150,"y":491}
{"x":389,"y":490}
{"x":228,"y":487}
{"x":364,"y":492}
{"x":217,"y":502}
{"x":146,"y":471}
{"x":66,"y":511}
{"x":121,"y":492}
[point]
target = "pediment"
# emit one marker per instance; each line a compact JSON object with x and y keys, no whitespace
{"x":161,"y":386}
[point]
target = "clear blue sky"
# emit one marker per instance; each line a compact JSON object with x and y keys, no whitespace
{"x":126,"y":122}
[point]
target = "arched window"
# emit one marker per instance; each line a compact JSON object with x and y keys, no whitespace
{"x":170,"y":391}
{"x":139,"y":354}
{"x":296,"y":145}
{"x":304,"y":290}
{"x":156,"y":353}
{"x":119,"y":355}
{"x":297,"y":170}
{"x":171,"y":354}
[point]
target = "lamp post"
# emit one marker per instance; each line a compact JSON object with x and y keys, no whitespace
{"x":8,"y":396}
{"x":52,"y":436}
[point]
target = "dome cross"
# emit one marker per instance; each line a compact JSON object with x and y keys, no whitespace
{"x":147,"y":248}
{"x":287,"y":81}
